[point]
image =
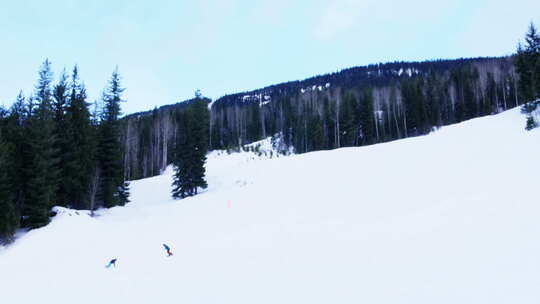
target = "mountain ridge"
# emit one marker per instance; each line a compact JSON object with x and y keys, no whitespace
{"x":355,"y":106}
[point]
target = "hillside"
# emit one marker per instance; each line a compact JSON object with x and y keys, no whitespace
{"x":353,"y":107}
{"x":451,"y":217}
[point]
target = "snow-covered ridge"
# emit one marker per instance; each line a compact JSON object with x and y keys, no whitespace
{"x":264,"y":98}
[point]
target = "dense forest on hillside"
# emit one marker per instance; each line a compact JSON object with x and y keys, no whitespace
{"x":354,"y":107}
{"x":367,"y":105}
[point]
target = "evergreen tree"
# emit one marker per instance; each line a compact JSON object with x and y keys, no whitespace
{"x":8,"y":214}
{"x":199,"y":134}
{"x":329,"y":124}
{"x":531,"y":123}
{"x":60,"y":137}
{"x":347,"y":120}
{"x":528,"y":67}
{"x":254,"y":129}
{"x":15,"y":130}
{"x":367,"y":120}
{"x":433,"y":100}
{"x":190,"y":149}
{"x":182,"y":156}
{"x":40,"y":162}
{"x":113,"y":190}
{"x":79,"y":156}
{"x":316,"y":135}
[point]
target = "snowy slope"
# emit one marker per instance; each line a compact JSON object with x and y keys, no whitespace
{"x":452,"y":217}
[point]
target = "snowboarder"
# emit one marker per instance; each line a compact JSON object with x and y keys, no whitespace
{"x":111,"y":263}
{"x":168,"y":249}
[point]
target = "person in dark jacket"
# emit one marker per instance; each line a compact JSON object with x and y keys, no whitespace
{"x":111,"y":263}
{"x":168,"y":249}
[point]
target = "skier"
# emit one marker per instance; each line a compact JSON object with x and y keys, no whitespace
{"x":168,"y":249}
{"x":111,"y":263}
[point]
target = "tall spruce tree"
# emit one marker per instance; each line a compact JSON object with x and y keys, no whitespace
{"x":191,"y":146}
{"x":15,"y":130}
{"x":60,"y":135}
{"x":113,"y":190}
{"x":79,"y":155}
{"x":40,"y":167}
{"x":199,"y":134}
{"x":181,"y":158}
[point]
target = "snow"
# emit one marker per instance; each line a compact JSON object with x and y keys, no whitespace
{"x":210,"y":104}
{"x":267,"y":100}
{"x":267,"y":147}
{"x":315,"y":88}
{"x":451,"y":217}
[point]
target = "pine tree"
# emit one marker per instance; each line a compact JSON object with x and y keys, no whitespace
{"x":367,"y":120}
{"x":528,"y":67}
{"x":60,"y":135}
{"x":433,"y":100}
{"x":531,"y":123}
{"x":40,"y":167}
{"x":14,"y":133}
{"x":347,"y":120}
{"x":199,"y":134}
{"x":113,"y":189}
{"x":8,"y":215}
{"x":79,"y":154}
{"x":182,"y":155}
{"x":191,"y":146}
{"x":316,"y":135}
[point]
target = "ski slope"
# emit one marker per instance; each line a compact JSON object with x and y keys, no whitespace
{"x":452,"y":217}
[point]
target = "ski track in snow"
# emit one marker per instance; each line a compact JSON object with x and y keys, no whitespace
{"x":452,"y":217}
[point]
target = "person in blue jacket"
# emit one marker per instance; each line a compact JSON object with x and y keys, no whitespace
{"x":168,"y":249}
{"x":111,"y":263}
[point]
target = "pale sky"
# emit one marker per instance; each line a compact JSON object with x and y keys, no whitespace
{"x":165,"y":50}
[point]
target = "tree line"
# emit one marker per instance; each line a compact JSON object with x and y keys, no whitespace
{"x":367,"y":105}
{"x":55,"y":151}
{"x":354,"y":107}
